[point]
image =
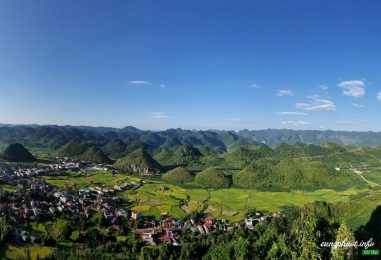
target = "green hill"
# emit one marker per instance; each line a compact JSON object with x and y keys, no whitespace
{"x":139,"y":161}
{"x":184,"y":155}
{"x":214,"y":178}
{"x":115,"y":148}
{"x":83,"y":151}
{"x":178,"y":175}
{"x":240,"y":157}
{"x":118,"y":148}
{"x":17,"y":153}
{"x":289,"y":173}
{"x":93,"y":154}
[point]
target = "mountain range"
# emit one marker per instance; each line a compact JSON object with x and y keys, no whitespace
{"x":123,"y":140}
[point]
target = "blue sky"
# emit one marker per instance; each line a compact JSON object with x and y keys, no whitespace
{"x":192,"y":64}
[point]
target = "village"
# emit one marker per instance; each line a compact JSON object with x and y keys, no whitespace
{"x":36,"y":200}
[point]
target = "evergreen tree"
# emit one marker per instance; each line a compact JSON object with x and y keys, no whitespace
{"x":344,"y":234}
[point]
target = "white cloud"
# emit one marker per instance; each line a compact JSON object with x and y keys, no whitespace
{"x":291,"y":113}
{"x":317,"y":105}
{"x":379,"y":96}
{"x":358,"y":105}
{"x":160,"y":115}
{"x":235,"y":119}
{"x":139,"y":82}
{"x":354,"y":88}
{"x":314,"y":96}
{"x":284,"y":93}
{"x":295,"y":123}
{"x":323,"y":87}
{"x":255,"y":86}
{"x":353,"y":122}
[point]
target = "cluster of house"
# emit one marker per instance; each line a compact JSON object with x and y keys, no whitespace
{"x":5,"y":169}
{"x":60,"y":165}
{"x":169,"y":230}
{"x":103,"y":190}
{"x":252,"y":219}
{"x":65,"y":163}
{"x":166,"y":231}
{"x":50,"y":201}
{"x":19,"y":209}
{"x":53,"y":201}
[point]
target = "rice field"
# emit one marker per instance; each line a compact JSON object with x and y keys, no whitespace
{"x":17,"y":252}
{"x":155,"y":198}
{"x":8,"y":188}
{"x":82,"y":180}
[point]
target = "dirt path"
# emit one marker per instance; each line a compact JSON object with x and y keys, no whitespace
{"x":359,"y":173}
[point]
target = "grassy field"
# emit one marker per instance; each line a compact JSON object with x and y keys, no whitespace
{"x":156,"y":197}
{"x":82,"y":180}
{"x":7,"y":187}
{"x":19,"y":252}
{"x":42,"y":153}
{"x":51,"y":228}
{"x":373,"y":175}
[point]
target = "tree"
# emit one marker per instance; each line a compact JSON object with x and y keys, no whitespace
{"x":241,"y":249}
{"x":66,"y":232}
{"x":344,"y":234}
{"x":4,"y":229}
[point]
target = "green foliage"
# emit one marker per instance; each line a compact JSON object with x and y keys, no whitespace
{"x":230,"y":250}
{"x":214,"y":178}
{"x":242,"y":156}
{"x":344,"y":234}
{"x":56,"y":136}
{"x":285,"y":150}
{"x":117,"y":148}
{"x":4,"y":229}
{"x":139,"y":161}
{"x":178,"y":175}
{"x":83,"y":151}
{"x":17,"y":153}
{"x":93,"y":154}
{"x":289,"y":173}
{"x":184,"y":155}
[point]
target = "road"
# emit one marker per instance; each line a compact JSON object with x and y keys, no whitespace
{"x":359,"y":173}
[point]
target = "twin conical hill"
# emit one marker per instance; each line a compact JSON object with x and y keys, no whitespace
{"x":83,"y":151}
{"x":178,"y":175}
{"x":138,"y":161}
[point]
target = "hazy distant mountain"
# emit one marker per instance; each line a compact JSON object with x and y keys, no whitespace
{"x":272,"y":137}
{"x":131,"y":138}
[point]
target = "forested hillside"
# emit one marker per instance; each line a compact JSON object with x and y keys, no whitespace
{"x":118,"y":141}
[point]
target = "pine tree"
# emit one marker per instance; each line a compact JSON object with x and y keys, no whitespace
{"x":344,"y":234}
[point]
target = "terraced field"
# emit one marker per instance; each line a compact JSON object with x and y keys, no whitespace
{"x":82,"y":180}
{"x":155,"y":198}
{"x":35,"y":252}
{"x":7,"y":187}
